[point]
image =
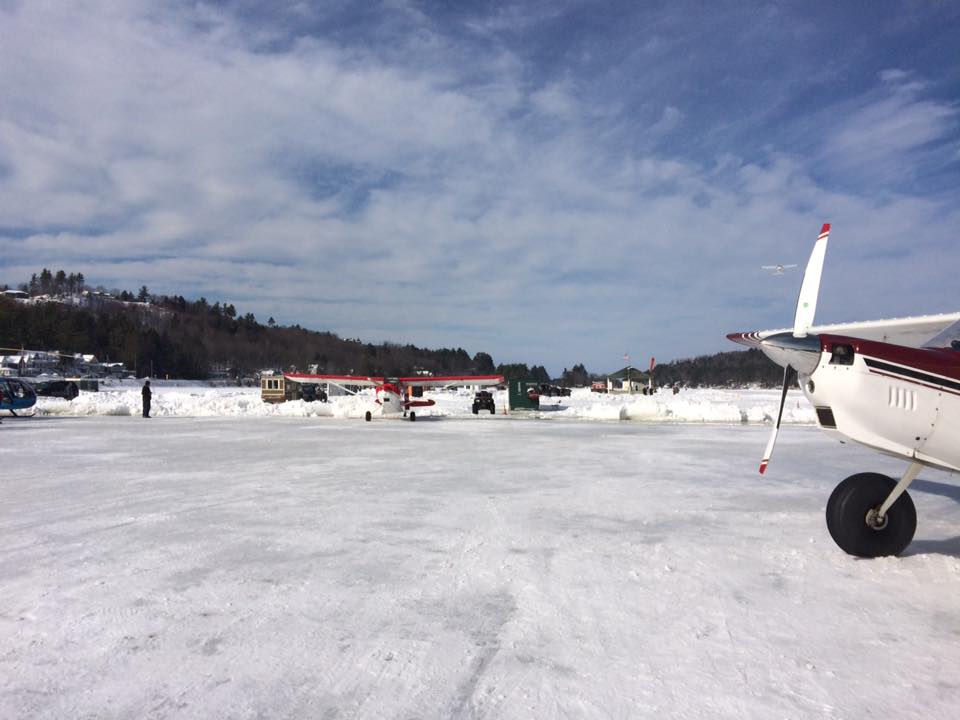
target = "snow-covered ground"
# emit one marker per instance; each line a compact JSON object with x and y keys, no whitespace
{"x":192,"y":566}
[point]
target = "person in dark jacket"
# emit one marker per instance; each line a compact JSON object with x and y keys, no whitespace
{"x":146,"y":398}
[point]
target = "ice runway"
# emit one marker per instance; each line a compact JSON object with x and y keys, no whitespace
{"x":489,"y":567}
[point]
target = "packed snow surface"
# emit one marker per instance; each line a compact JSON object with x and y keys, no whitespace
{"x":190,"y":566}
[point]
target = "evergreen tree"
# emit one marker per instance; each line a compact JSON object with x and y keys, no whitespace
{"x":483,"y":364}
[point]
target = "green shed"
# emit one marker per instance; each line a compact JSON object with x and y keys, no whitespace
{"x":523,"y":394}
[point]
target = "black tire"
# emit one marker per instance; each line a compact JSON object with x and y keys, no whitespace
{"x":476,"y":409}
{"x":368,"y":417}
{"x":413,"y":417}
{"x":847,"y":511}
{"x":493,"y":411}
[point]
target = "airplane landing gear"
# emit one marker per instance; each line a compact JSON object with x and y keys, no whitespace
{"x":870,"y":515}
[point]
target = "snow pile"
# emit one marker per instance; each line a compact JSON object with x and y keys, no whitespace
{"x":703,"y":405}
{"x":180,"y":399}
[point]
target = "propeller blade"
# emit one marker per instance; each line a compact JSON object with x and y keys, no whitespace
{"x":776,"y":428}
{"x":810,"y":288}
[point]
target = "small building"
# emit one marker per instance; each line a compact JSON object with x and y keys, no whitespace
{"x":523,"y":394}
{"x":628,"y":380}
{"x":115,"y":370}
{"x":85,"y":364}
{"x":30,"y":362}
{"x":273,"y":388}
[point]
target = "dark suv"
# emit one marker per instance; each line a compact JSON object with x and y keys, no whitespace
{"x":483,"y":400}
{"x":313,"y":393}
{"x":66,"y":389}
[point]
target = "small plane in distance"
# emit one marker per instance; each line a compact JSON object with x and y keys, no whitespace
{"x":392,"y":396}
{"x":777,"y":269}
{"x":892,"y":385}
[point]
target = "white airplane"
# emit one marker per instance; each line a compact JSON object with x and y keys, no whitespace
{"x":777,"y":269}
{"x":392,"y":396}
{"x":892,"y":385}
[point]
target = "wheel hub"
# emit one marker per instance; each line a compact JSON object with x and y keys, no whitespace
{"x":875,"y":520}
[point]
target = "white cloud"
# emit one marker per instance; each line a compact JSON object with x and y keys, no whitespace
{"x":890,"y":132}
{"x":668,"y":121}
{"x":322,"y":184}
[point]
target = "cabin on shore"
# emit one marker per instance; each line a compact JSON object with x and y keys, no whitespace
{"x":273,"y":388}
{"x":628,"y":380}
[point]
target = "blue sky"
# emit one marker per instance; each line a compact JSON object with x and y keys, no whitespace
{"x":549,"y":182}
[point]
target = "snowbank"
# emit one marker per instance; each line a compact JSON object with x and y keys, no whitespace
{"x":180,"y":399}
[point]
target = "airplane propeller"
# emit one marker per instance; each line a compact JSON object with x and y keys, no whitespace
{"x":796,"y":348}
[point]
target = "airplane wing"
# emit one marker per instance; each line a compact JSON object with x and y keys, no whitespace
{"x":908,"y":331}
{"x":358,"y":380}
{"x":451,"y":380}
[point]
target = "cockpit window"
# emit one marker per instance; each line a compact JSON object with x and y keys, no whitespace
{"x":949,"y":338}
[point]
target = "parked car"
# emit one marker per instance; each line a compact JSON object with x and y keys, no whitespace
{"x":547,"y":390}
{"x":312,"y":393}
{"x":66,"y":389}
{"x":483,"y":400}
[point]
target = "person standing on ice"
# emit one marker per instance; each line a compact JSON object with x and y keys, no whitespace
{"x":146,"y":398}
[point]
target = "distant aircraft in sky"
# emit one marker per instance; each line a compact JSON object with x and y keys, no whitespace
{"x":777,"y":269}
{"x":892,"y":385}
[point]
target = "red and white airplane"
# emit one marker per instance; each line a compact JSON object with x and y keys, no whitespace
{"x":392,"y":396}
{"x":892,"y":385}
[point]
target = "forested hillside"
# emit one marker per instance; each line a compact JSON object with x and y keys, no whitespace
{"x":737,"y":368}
{"x":175,"y":337}
{"x":164,"y":335}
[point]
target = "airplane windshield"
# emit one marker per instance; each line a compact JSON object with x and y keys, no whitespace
{"x":949,"y":338}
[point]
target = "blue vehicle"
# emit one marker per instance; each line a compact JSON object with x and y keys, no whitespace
{"x":16,"y":395}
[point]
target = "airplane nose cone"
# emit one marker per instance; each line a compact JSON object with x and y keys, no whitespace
{"x":800,"y":353}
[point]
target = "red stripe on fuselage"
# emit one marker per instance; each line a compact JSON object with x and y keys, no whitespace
{"x":936,"y":361}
